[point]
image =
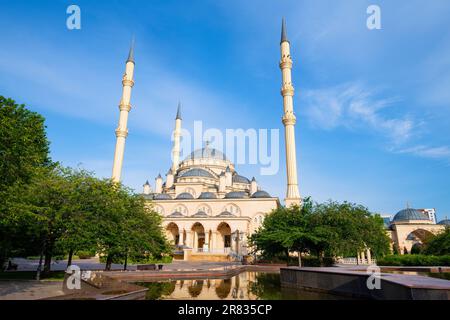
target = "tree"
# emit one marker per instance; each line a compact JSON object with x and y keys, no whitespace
{"x":24,"y":150}
{"x":351,"y":228}
{"x":125,"y":226}
{"x":286,"y":230}
{"x":439,"y":244}
{"x":330,"y":229}
{"x":23,"y":143}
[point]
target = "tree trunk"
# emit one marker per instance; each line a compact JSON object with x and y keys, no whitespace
{"x":125,"y":263}
{"x":287,"y":257}
{"x":300,"y":259}
{"x":47,"y":262}
{"x":48,"y":252}
{"x":69,"y":261}
{"x":108,"y":262}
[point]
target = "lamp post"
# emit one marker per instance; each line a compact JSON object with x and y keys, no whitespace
{"x":237,"y":236}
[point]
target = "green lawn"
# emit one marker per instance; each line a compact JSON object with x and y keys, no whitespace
{"x":31,"y":275}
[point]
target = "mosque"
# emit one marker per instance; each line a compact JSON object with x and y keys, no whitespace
{"x":410,"y":227}
{"x":208,"y":208}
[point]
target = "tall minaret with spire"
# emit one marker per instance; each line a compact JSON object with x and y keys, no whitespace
{"x":287,"y":91}
{"x":176,"y":140}
{"x":124,"y":107}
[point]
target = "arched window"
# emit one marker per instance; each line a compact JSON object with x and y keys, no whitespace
{"x":232,"y":208}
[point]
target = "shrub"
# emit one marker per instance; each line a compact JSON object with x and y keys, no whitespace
{"x":85,"y":254}
{"x":414,"y":260}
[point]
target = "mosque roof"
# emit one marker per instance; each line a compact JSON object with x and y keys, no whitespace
{"x":240,"y":179}
{"x":445,"y":222}
{"x":236,"y":195}
{"x":410,"y":214}
{"x":261,"y":194}
{"x":208,"y":153}
{"x":196,"y":172}
{"x":185,"y":195}
{"x":162,"y":196}
{"x":207,"y":195}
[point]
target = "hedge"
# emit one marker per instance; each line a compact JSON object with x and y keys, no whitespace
{"x":414,"y":260}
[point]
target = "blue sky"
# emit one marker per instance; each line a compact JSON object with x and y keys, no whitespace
{"x":373,"y":106}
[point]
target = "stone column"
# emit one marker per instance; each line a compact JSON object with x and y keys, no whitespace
{"x":358,"y":259}
{"x":207,"y":240}
{"x":189,"y":242}
{"x":363,"y":257}
{"x":369,"y":256}
{"x":181,"y":240}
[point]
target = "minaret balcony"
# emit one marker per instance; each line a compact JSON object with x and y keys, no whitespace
{"x":128,"y":82}
{"x":287,"y":90}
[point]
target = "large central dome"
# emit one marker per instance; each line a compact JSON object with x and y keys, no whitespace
{"x":206,"y":153}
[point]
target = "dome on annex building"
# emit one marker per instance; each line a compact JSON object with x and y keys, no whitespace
{"x":445,"y":222}
{"x":410,"y":214}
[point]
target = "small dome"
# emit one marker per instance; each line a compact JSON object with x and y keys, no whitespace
{"x":207,"y":195}
{"x":196,"y":172}
{"x":236,"y":195}
{"x":240,"y":179}
{"x":200,"y":214}
{"x":261,"y":194}
{"x":445,"y":222}
{"x":206,"y":152}
{"x":185,"y":195}
{"x":162,"y":196}
{"x":410,"y":214}
{"x":226,"y":214}
{"x":175,"y":214}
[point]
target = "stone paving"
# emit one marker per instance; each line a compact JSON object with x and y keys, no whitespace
{"x":31,"y":290}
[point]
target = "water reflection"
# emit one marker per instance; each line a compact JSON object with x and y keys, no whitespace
{"x":245,"y":286}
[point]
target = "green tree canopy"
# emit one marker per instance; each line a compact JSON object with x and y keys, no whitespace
{"x":331,"y":228}
{"x":23,"y":143}
{"x":438,"y":245}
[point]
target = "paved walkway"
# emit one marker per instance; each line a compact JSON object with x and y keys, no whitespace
{"x":94,"y":264}
{"x":31,"y":289}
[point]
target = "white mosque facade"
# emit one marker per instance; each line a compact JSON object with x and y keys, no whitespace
{"x":208,"y":208}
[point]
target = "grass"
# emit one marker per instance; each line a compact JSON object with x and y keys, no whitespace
{"x":31,"y":275}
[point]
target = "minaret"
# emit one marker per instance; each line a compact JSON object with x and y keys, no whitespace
{"x":124,"y":107}
{"x":176,"y":141}
{"x":287,"y":91}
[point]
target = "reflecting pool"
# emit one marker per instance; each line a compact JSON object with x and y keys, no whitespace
{"x":245,"y":286}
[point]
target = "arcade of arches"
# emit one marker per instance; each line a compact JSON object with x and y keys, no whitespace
{"x":209,"y":237}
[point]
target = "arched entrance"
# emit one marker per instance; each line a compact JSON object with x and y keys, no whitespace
{"x":199,"y":235}
{"x":419,"y":235}
{"x":173,"y":233}
{"x":224,"y":231}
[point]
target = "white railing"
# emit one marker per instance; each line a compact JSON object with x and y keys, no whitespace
{"x":214,"y":250}
{"x":354,"y":261}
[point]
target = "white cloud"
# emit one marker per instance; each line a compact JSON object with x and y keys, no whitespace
{"x":355,"y":107}
{"x":442,"y":152}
